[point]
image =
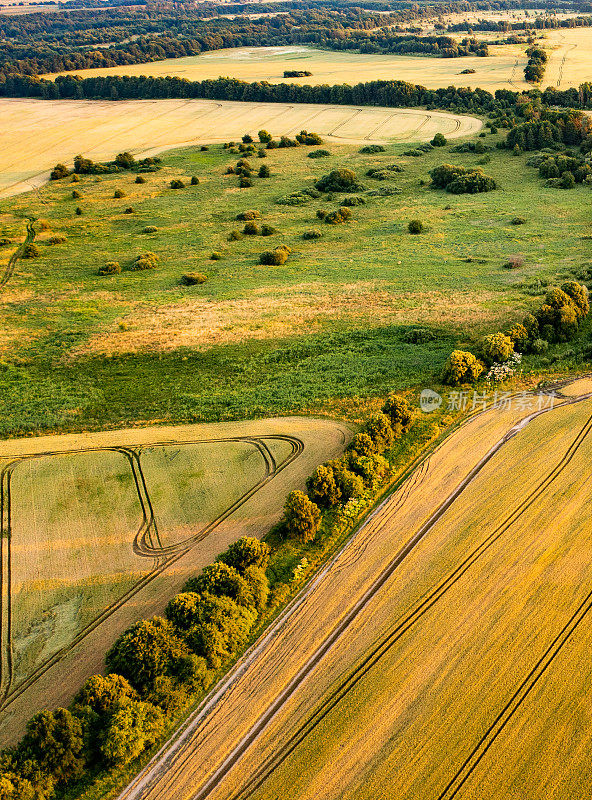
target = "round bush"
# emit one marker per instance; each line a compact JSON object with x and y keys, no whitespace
{"x":234,"y":236}
{"x":268,"y":230}
{"x":194,"y":180}
{"x":76,"y":194}
{"x":245,"y":183}
{"x":249,"y":214}
{"x":319,"y":153}
{"x":216,"y":256}
{"x":439,"y":140}
{"x":314,"y":233}
{"x":129,"y":210}
{"x":78,"y":211}
{"x":144,"y":261}
{"x":518,"y":221}
{"x":415,"y":226}
{"x":57,"y":239}
{"x":193,"y":278}
{"x":204,"y":148}
{"x":140,"y":179}
{"x":264,"y":171}
{"x":149,"y":229}
{"x":177,"y":183}
{"x":110,"y":268}
{"x":251,"y":229}
{"x":118,"y":194}
{"x":275,"y":257}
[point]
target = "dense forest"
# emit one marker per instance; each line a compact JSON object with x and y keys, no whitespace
{"x":35,"y":44}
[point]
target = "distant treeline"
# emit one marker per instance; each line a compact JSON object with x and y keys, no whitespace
{"x":33,"y":44}
{"x":393,"y":94}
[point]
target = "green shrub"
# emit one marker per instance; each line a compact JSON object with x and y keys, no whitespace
{"x":354,"y":200}
{"x":275,"y":257}
{"x":304,"y":137}
{"x":264,"y":136}
{"x":110,"y":268}
{"x":268,"y":230}
{"x":301,"y":517}
{"x":362,"y":445}
{"x":245,"y":183}
{"x":518,"y":221}
{"x":144,"y":261}
{"x":234,"y":236}
{"x":194,"y":180}
{"x":129,"y":210}
{"x":30,"y":251}
{"x":78,"y":211}
{"x":221,"y":580}
{"x":177,"y":183}
{"x":251,"y":229}
{"x":57,"y":239}
{"x":76,"y":195}
{"x":314,"y":233}
{"x":439,"y":140}
{"x":349,"y":484}
{"x":248,"y":215}
{"x":216,"y":256}
{"x":118,"y":194}
{"x":339,"y":180}
{"x":514,"y":262}
{"x":140,"y":179}
{"x":319,"y":153}
{"x":372,"y":148}
{"x":193,"y":278}
{"x":58,"y":172}
{"x":321,"y":213}
{"x":264,"y":171}
{"x":150,"y":229}
{"x":539,"y":346}
{"x":415,"y":226}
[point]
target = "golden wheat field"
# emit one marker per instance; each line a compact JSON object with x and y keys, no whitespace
{"x":451,"y":680}
{"x":40,"y":133}
{"x":105,"y":527}
{"x":502,"y":69}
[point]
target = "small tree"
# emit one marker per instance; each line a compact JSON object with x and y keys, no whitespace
{"x":246,"y":552}
{"x":322,"y":488}
{"x":247,"y":139}
{"x":362,"y":445}
{"x":399,"y":412}
{"x":379,"y":429}
{"x":53,"y":740}
{"x":220,"y":579}
{"x":264,"y":171}
{"x":264,"y":136}
{"x":497,"y":347}
{"x":301,"y":517}
{"x":133,"y":727}
{"x":439,"y":140}
{"x":461,"y":367}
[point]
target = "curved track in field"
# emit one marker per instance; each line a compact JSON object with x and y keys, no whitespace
{"x":176,"y":755}
{"x":146,"y":542}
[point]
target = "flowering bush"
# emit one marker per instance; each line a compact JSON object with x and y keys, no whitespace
{"x":507,"y":369}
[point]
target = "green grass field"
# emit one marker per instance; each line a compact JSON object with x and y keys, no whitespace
{"x":84,"y":351}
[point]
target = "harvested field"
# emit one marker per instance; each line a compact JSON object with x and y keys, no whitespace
{"x":503,"y":69}
{"x":570,"y":57}
{"x":366,"y":690}
{"x":40,"y":133}
{"x":102,"y":529}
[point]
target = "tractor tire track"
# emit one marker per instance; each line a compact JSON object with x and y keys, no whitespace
{"x":163,"y":558}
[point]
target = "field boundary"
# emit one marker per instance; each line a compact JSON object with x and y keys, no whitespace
{"x":143,"y":544}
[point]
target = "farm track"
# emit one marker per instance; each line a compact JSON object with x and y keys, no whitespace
{"x":174,"y":758}
{"x":142,"y":544}
{"x":18,"y":253}
{"x":382,"y":647}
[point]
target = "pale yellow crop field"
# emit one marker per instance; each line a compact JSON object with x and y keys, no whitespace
{"x":502,"y":70}
{"x":570,"y":57}
{"x":39,"y":133}
{"x":404,"y":694}
{"x":99,"y":530}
